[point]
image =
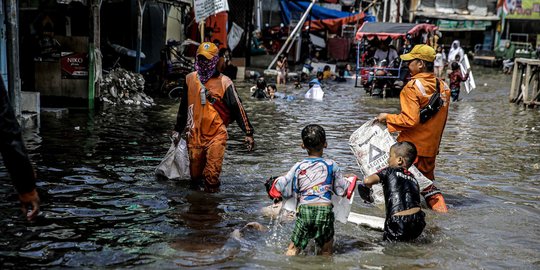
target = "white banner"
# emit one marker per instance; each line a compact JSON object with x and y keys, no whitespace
{"x":205,"y":8}
{"x":234,"y":36}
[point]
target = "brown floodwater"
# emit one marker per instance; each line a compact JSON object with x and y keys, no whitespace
{"x":102,"y":206}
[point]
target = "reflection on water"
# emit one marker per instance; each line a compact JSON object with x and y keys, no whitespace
{"x":102,"y":206}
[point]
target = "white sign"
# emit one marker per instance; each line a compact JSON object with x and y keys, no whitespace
{"x":234,"y":36}
{"x":205,"y":8}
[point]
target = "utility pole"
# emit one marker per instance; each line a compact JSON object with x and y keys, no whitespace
{"x":14,"y":73}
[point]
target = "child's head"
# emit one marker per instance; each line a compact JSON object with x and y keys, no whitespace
{"x":402,"y":154}
{"x":455,"y":65}
{"x":457,"y":58}
{"x":261,"y":83}
{"x":326,"y":68}
{"x":439,"y":49}
{"x":319,"y":75}
{"x":272,"y":88}
{"x":313,"y":138}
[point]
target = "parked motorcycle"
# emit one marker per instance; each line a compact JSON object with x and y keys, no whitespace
{"x":382,"y":79}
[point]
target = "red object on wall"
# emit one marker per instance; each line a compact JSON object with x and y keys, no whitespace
{"x":74,"y":66}
{"x":338,"y":48}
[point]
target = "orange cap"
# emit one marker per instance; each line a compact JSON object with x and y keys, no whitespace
{"x":208,"y":50}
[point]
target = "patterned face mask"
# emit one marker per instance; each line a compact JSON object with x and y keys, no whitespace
{"x":205,"y":68}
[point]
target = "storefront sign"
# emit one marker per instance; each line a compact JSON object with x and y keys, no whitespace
{"x":74,"y":66}
{"x":523,"y":9}
{"x":234,"y":36}
{"x":205,"y":8}
{"x":449,"y":25}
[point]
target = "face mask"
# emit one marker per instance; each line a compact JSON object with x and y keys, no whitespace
{"x":205,"y":68}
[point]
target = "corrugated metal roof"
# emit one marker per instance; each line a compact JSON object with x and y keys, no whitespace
{"x":456,"y":17}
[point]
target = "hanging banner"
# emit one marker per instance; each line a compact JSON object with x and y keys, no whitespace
{"x":205,"y":8}
{"x":450,"y":25}
{"x":234,"y":36}
{"x":523,"y":9}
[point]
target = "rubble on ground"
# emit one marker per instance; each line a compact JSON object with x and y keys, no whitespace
{"x":124,"y":87}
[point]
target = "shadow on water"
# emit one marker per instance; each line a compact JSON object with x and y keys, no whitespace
{"x":103,"y":208}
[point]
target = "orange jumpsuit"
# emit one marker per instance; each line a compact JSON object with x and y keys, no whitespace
{"x":425,"y":136}
{"x":206,"y":125}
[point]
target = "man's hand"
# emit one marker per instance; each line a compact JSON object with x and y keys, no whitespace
{"x":175,"y":136}
{"x":382,"y":117}
{"x":250,"y":142}
{"x":30,"y":199}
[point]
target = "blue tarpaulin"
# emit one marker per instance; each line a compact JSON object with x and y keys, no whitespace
{"x":297,"y":8}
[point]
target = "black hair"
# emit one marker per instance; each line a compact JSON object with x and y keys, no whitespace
{"x":261,"y":83}
{"x":406,"y":150}
{"x":313,"y":137}
{"x":327,"y":67}
{"x":319,"y":74}
{"x":430,"y":67}
{"x":455,"y":65}
{"x":273,"y":86}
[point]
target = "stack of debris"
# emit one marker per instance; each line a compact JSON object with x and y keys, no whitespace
{"x":124,"y":87}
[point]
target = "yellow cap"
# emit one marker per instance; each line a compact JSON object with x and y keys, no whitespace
{"x":208,"y":50}
{"x":422,"y":52}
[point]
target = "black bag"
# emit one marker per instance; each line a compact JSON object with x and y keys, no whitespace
{"x":434,"y":105}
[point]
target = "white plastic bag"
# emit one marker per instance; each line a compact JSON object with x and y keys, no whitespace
{"x":315,"y":92}
{"x":175,"y":164}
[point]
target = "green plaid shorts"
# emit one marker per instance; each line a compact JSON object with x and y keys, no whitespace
{"x":313,"y":222}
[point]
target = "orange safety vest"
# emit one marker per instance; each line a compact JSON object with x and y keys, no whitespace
{"x":204,"y":122}
{"x":414,"y":96}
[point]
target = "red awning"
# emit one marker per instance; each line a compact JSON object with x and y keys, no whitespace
{"x":334,"y":25}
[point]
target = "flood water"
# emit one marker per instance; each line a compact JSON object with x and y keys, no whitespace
{"x":102,"y":206}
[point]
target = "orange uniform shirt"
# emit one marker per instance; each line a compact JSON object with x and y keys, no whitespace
{"x":204,"y":122}
{"x":427,"y":136}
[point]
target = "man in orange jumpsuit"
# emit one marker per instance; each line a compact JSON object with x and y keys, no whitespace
{"x":209,"y":103}
{"x":425,"y":136}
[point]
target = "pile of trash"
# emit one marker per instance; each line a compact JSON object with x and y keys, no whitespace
{"x":124,"y":87}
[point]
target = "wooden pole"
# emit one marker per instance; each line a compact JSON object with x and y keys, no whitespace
{"x":526,"y":88}
{"x":249,"y":28}
{"x":513,"y":92}
{"x":12,"y":40}
{"x":94,"y":44}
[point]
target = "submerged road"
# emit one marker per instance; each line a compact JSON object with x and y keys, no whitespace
{"x":102,"y":206}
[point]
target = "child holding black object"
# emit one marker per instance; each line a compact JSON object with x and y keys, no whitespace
{"x":404,"y":218}
{"x":312,"y":182}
